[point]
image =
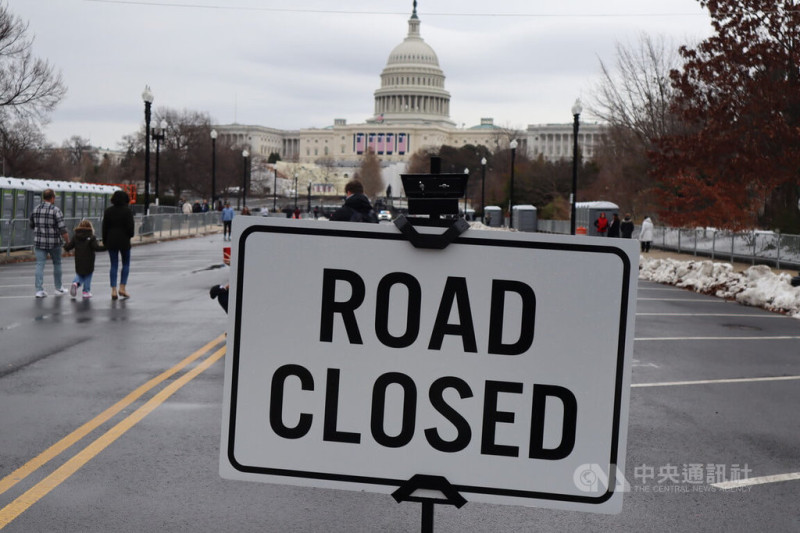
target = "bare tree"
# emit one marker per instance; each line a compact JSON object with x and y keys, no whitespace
{"x":370,"y":174}
{"x":28,"y":86}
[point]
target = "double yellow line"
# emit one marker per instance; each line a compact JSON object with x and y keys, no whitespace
{"x":42,"y":488}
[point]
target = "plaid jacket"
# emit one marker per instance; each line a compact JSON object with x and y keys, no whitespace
{"x":48,"y":224}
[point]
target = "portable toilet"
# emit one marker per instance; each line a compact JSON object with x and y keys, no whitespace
{"x":493,"y":216}
{"x":587,"y":212}
{"x":524,"y":218}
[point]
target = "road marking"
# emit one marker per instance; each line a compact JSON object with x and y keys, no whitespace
{"x":54,"y":450}
{"x":637,"y":362}
{"x":693,"y":300}
{"x":62,"y":473}
{"x":714,"y":381}
{"x":756,"y":481}
{"x":764,"y":315}
{"x":777,"y":338}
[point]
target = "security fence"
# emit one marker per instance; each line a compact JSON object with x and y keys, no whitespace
{"x":755,"y":247}
{"x":16,"y":234}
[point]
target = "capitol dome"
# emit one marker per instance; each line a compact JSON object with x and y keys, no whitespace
{"x":412,"y":84}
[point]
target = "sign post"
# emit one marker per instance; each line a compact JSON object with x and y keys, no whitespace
{"x":494,"y":370}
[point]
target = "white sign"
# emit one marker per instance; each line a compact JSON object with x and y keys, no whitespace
{"x":501,"y":363}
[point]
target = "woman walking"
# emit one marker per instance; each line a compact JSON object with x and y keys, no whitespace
{"x":117,"y":233}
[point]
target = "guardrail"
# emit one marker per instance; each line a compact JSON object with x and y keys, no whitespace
{"x":15,"y":234}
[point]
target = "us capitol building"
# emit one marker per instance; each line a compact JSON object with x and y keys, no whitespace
{"x":411,"y":112}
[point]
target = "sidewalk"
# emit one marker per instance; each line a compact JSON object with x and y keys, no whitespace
{"x":21,"y":256}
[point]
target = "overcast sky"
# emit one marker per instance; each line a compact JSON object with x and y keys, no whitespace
{"x":301,"y":63}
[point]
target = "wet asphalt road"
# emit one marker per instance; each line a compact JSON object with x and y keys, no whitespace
{"x":148,"y":458}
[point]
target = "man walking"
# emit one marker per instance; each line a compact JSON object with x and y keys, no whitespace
{"x":356,"y":206}
{"x":48,"y":231}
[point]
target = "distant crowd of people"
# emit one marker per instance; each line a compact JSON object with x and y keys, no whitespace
{"x":624,"y":229}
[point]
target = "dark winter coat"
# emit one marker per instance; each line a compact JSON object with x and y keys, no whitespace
{"x":85,"y":244}
{"x":118,"y":227}
{"x":613,"y":229}
{"x":626,"y":228}
{"x":356,"y":208}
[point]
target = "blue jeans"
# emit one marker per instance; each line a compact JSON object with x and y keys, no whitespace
{"x":86,"y":281}
{"x":126,"y":265}
{"x":41,"y":258}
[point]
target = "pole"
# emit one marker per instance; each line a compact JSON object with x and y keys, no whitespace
{"x":308,"y":210}
{"x":214,"y":171}
{"x":575,"y":126}
{"x":483,"y":190}
{"x":158,"y":149}
{"x":274,"y":188}
{"x":244,"y":180}
{"x":295,"y":191}
{"x":511,"y":188}
{"x":147,"y":157}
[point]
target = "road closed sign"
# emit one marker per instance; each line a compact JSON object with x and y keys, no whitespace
{"x":500,"y":363}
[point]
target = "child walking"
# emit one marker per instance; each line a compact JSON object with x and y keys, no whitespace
{"x":85,"y":244}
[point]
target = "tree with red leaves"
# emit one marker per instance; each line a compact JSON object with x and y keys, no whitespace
{"x":736,"y":161}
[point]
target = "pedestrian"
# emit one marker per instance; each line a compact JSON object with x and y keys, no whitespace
{"x":118,"y":229}
{"x":206,"y":208}
{"x":196,"y":207}
{"x":613,"y":229}
{"x":296,"y":213}
{"x":626,"y":227}
{"x":246,"y":211}
{"x":186,"y":208}
{"x":47,"y":223}
{"x":85,"y":244}
{"x":602,"y":225}
{"x":356,"y":206}
{"x":316,"y":212}
{"x":227,"y":220}
{"x":646,"y":234}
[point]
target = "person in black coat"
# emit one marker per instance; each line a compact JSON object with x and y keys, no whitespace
{"x":356,"y":206}
{"x":626,"y":227}
{"x":613,"y":229}
{"x":85,"y":244}
{"x":118,"y":229}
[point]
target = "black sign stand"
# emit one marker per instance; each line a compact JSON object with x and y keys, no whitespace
{"x":434,"y":195}
{"x":437,"y":483}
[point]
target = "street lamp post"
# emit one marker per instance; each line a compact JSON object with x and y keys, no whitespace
{"x":576,"y":115}
{"x":295,"y":191}
{"x":157,"y":135}
{"x":513,"y":146}
{"x":274,"y":187}
{"x":308,"y":210}
{"x":245,"y":155}
{"x":466,"y":172}
{"x":213,"y":169}
{"x":483,"y":190}
{"x":147,"y":97}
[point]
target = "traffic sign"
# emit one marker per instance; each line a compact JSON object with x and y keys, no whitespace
{"x":500,"y":363}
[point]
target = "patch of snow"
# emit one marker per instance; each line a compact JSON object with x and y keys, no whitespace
{"x":757,"y":286}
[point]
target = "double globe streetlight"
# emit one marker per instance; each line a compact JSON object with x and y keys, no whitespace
{"x":147,"y":97}
{"x":245,"y":155}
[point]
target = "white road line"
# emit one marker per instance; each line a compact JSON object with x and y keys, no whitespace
{"x":764,"y":315}
{"x":777,"y":338}
{"x":756,"y":481}
{"x":695,"y":300}
{"x":714,"y":381}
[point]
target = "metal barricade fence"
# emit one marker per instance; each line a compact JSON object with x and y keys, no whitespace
{"x":16,"y":234}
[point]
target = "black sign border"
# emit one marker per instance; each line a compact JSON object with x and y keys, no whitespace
{"x":464,"y":239}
